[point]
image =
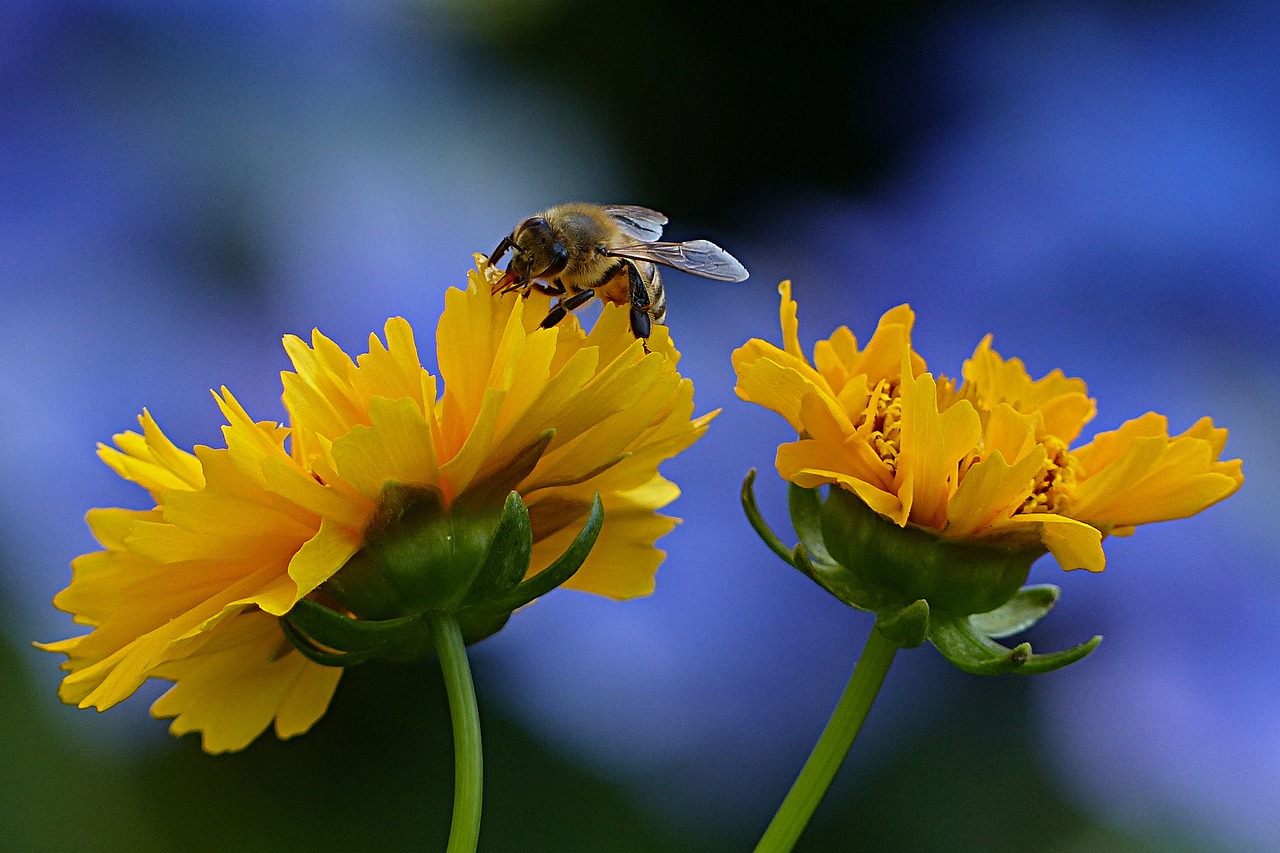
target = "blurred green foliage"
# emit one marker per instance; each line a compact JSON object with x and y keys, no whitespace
{"x":376,"y":774}
{"x":974,"y":784}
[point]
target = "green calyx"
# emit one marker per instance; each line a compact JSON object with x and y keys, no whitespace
{"x":420,"y":558}
{"x":959,"y":596}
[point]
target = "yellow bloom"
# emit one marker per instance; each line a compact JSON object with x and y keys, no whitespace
{"x":191,"y":590}
{"x":989,"y":461}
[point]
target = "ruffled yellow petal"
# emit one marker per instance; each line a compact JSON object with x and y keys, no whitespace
{"x":1138,"y":474}
{"x":109,"y":664}
{"x":271,"y":682}
{"x":397,"y":446}
{"x":769,"y":387}
{"x":1074,"y":544}
{"x":1063,"y":403}
{"x":991,"y":490}
{"x":625,"y":560}
{"x":836,"y":358}
{"x":469,"y":334}
{"x":151,"y":460}
{"x":933,"y":444}
{"x":803,"y":463}
{"x":316,"y":561}
{"x":1010,"y":433}
{"x":394,"y":370}
{"x":766,"y":382}
{"x":889,"y":346}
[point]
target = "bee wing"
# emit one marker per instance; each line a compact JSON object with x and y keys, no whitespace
{"x":639,"y":222}
{"x":700,"y":257}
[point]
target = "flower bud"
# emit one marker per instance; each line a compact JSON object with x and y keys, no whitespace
{"x":468,"y":559}
{"x":903,"y":564}
{"x":960,"y":595}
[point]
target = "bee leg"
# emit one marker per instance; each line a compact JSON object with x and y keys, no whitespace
{"x":564,"y":306}
{"x":640,"y":326}
{"x":639,"y":294}
{"x":496,"y":254}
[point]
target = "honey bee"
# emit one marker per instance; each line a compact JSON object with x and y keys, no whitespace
{"x":577,"y":251}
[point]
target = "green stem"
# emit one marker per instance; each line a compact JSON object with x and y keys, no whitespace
{"x":832,"y":747}
{"x":468,"y":784}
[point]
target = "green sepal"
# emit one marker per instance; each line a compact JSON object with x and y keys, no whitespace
{"x":972,"y":652}
{"x":563,"y":567}
{"x":908,"y":627}
{"x":1057,"y":660}
{"x":835,"y":579}
{"x":487,"y":617}
{"x":507,"y":558}
{"x":333,"y":639}
{"x":314,"y":653}
{"x":476,"y":625}
{"x":805,"y":506}
{"x":960,"y":642}
{"x":418,"y":555}
{"x":1027,"y":607}
{"x":899,"y":564}
{"x":759,"y":525}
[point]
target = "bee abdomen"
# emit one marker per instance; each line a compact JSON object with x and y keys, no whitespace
{"x":658,"y":306}
{"x":657,"y":297}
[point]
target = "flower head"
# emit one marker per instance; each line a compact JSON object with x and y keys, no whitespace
{"x":943,"y":493}
{"x":192,"y":590}
{"x":989,"y":459}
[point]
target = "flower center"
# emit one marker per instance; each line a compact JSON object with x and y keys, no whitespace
{"x":1054,"y":481}
{"x":884,"y":418}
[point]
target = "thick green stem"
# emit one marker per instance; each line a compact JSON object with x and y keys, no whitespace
{"x":828,"y":754}
{"x":464,"y":831}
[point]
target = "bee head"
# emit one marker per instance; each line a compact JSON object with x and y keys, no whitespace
{"x":538,"y":252}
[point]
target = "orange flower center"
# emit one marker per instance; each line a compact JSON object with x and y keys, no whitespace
{"x":884,"y":417}
{"x":1054,"y":481}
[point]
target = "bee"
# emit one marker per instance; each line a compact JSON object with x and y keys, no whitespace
{"x":577,"y":251}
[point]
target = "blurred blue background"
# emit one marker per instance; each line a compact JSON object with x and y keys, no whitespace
{"x":1098,"y":184}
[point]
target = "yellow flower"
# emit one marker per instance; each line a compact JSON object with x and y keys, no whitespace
{"x":990,"y":461}
{"x":192,"y":590}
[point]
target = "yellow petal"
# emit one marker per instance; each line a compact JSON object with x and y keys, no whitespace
{"x":932,"y":445}
{"x":624,"y":561}
{"x":151,"y":460}
{"x":781,"y":388}
{"x":890,"y":344}
{"x":119,"y":660}
{"x":1063,"y":403}
{"x":317,"y":560}
{"x":835,"y":358}
{"x":307,"y":698}
{"x":991,"y":489}
{"x":1011,"y":433}
{"x":466,"y":340}
{"x":1074,"y":544}
{"x":1138,"y":475}
{"x":887,"y":504}
{"x":397,"y":446}
{"x":394,"y":370}
{"x":788,"y":311}
{"x":246,"y":653}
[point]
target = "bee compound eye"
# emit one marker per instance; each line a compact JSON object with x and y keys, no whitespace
{"x":534,"y":224}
